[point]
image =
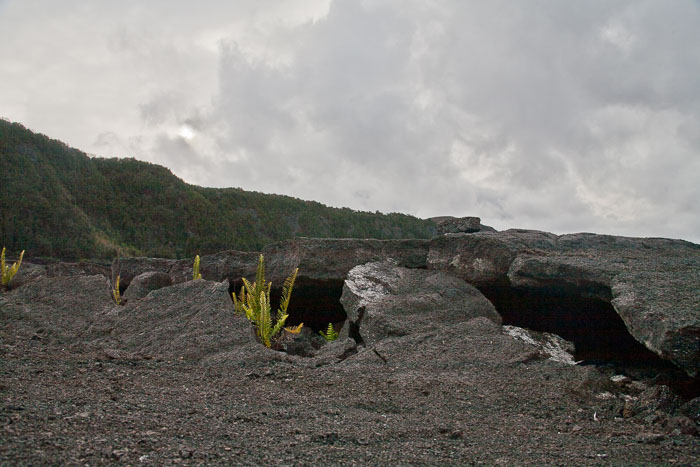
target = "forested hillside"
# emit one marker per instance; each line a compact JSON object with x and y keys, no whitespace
{"x":57,"y":202}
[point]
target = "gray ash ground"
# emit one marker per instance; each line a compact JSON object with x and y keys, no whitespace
{"x":469,"y":395}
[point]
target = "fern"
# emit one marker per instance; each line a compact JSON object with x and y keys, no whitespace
{"x":254,"y":301}
{"x":330,"y":334}
{"x":115,"y":292}
{"x":195,"y":269}
{"x":287,"y":291}
{"x":8,"y":273}
{"x":294,"y":329}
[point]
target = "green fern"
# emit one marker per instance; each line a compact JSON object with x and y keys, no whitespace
{"x":195,"y":269}
{"x":330,"y":334}
{"x":115,"y":292}
{"x":254,"y":301}
{"x":8,"y":273}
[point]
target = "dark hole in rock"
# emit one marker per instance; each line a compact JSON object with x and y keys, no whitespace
{"x":314,"y":302}
{"x":599,"y":334}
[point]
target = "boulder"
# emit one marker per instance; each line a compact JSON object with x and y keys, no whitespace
{"x":546,"y":345}
{"x":128,"y":268}
{"x":447,"y":225}
{"x":54,"y":310}
{"x":661,"y":309}
{"x":459,"y":225}
{"x":383,"y":299}
{"x":652,"y":283}
{"x":189,"y":320}
{"x":146,"y":282}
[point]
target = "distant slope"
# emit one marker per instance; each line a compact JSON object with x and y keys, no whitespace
{"x":57,"y":202}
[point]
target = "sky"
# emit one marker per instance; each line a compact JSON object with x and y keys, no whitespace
{"x":564,"y":116}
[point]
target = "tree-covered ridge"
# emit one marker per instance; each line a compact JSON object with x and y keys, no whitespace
{"x":55,"y":201}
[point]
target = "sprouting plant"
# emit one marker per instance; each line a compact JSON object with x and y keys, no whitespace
{"x":115,"y":292}
{"x":195,"y":269}
{"x":9,"y":273}
{"x":294,"y":329}
{"x":330,"y":334}
{"x":254,"y":301}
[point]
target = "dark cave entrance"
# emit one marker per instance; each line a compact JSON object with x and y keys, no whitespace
{"x":314,"y":302}
{"x":592,"y":324}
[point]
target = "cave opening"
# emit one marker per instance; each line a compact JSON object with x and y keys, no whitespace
{"x":314,"y":302}
{"x":592,"y":324}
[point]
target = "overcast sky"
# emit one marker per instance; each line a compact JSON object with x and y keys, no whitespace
{"x":564,"y":116}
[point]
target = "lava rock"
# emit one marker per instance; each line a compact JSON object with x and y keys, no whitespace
{"x":128,"y":268}
{"x":459,"y":225}
{"x":662,"y":310}
{"x":620,"y":380}
{"x":548,"y":345}
{"x":655,"y":399}
{"x":59,"y":309}
{"x":145,"y":282}
{"x":691,"y":409}
{"x":483,"y":259}
{"x":683,"y":425}
{"x":189,"y":320}
{"x":332,"y":259}
{"x":26,"y":273}
{"x":383,"y":300}
{"x":29,"y":272}
{"x":651,"y":283}
{"x":583,"y":276}
{"x":335,"y":351}
{"x":304,"y":344}
{"x":224,"y":265}
{"x":77,"y":269}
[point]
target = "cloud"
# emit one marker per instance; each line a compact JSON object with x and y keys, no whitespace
{"x":563,"y":117}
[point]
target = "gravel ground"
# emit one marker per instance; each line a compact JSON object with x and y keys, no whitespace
{"x":470,"y":395}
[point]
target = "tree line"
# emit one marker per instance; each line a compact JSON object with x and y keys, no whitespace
{"x":57,"y":202}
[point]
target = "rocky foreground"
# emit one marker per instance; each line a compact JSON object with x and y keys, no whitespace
{"x":515,"y":347}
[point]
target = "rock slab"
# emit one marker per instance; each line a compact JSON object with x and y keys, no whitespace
{"x":652,"y":283}
{"x":459,"y":225}
{"x":224,"y":265}
{"x":384,"y":300}
{"x":146,"y":282}
{"x":189,"y":321}
{"x":332,"y":259}
{"x":54,"y":310}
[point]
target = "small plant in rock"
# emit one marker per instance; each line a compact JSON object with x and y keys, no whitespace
{"x":115,"y":292}
{"x":330,"y":334}
{"x":195,"y":269}
{"x":254,"y":301}
{"x":8,"y":273}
